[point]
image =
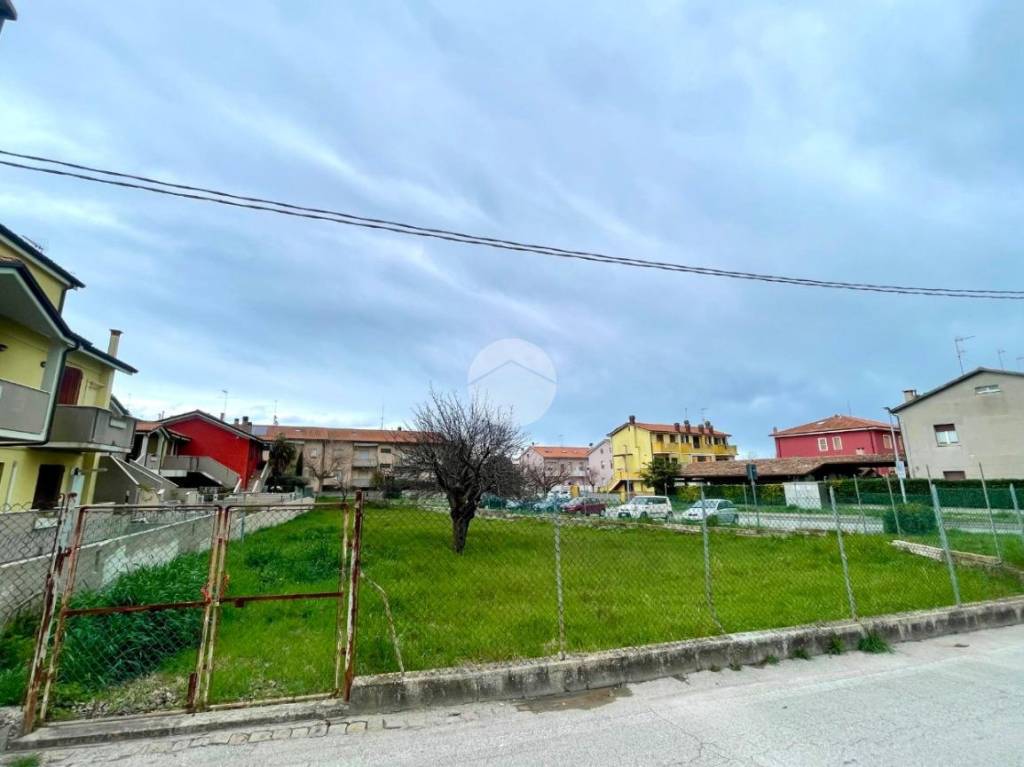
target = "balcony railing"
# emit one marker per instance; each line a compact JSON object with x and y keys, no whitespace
{"x":364,"y":463}
{"x":23,"y":409}
{"x":182,"y":465}
{"x":90,"y":428}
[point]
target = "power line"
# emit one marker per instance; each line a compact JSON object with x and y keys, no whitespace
{"x":202,"y":194}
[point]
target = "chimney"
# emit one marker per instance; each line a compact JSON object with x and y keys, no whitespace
{"x":686,"y":425}
{"x":676,"y":425}
{"x":775,"y":430}
{"x":700,"y":429}
{"x":909,"y":394}
{"x":235,"y":422}
{"x":246,"y":424}
{"x":710,"y":427}
{"x":632,"y":419}
{"x":114,"y":342}
{"x":399,"y":428}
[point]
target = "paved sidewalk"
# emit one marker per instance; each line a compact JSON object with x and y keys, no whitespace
{"x":954,"y":700}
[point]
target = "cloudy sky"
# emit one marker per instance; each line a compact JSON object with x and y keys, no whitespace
{"x":880,"y":143}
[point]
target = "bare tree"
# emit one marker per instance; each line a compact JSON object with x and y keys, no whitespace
{"x":325,"y":469}
{"x":466,"y":451}
{"x":541,"y":479}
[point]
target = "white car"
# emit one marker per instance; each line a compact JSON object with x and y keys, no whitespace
{"x":722,"y":510}
{"x":643,"y":507}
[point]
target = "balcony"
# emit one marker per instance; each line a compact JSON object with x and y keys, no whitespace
{"x":198,"y":471}
{"x":364,"y":462}
{"x":80,"y":427}
{"x":23,"y":410}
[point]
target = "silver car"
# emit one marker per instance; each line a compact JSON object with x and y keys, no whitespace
{"x":724,"y":512}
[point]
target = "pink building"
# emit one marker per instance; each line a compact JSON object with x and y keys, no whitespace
{"x":836,"y":435}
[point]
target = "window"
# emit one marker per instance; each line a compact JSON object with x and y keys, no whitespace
{"x":945,"y":434}
{"x":385,"y":449}
{"x":659,"y":437}
{"x":70,"y":386}
{"x":887,"y":441}
{"x":987,"y":389}
{"x":954,"y":475}
{"x":837,"y":443}
{"x":822,"y":444}
{"x":672,"y":439}
{"x":48,"y":484}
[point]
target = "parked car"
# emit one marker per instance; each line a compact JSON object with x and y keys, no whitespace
{"x":644,"y":507}
{"x":583,"y":505}
{"x":549,"y":504}
{"x":722,"y":511}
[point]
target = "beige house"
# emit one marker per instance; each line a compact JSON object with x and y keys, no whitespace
{"x":343,"y":458}
{"x":974,"y":420}
{"x":568,"y":464}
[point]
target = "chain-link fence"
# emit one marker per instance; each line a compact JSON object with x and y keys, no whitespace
{"x":596,"y":572}
{"x":195,"y":606}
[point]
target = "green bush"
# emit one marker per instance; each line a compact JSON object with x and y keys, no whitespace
{"x":915,"y":519}
{"x":16,"y":644}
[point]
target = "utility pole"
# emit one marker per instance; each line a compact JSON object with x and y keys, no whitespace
{"x":896,"y":452}
{"x":958,"y":344}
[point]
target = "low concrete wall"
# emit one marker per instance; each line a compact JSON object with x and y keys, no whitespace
{"x":541,"y":677}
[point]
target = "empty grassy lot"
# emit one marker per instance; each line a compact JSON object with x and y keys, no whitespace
{"x":623,"y":585}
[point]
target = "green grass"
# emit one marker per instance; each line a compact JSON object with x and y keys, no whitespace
{"x":28,"y":760}
{"x":873,"y":643}
{"x":17,"y":641}
{"x":623,"y":585}
{"x":1012,"y":546}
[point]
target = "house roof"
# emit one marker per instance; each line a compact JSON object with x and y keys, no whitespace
{"x":329,"y":434}
{"x":547,"y":451}
{"x":144,"y":427}
{"x":831,"y":424}
{"x":86,"y":347}
{"x":203,"y":415}
{"x":778,"y":467}
{"x":670,"y":427}
{"x":35,"y":254}
{"x":954,"y":382}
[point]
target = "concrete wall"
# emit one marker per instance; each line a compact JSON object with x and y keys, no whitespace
{"x":990,"y":428}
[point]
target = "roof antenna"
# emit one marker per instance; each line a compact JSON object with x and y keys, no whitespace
{"x":1001,"y":352}
{"x":225,"y":410}
{"x":958,"y":344}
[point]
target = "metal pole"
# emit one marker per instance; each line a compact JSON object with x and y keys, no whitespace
{"x":892,"y":501}
{"x":340,"y":627}
{"x":842,"y":554}
{"x":991,"y":519}
{"x":757,"y":509}
{"x":896,"y":451}
{"x":860,"y":506}
{"x":708,"y":592}
{"x":945,"y":544}
{"x":558,"y":583}
{"x":1016,"y":508}
{"x":355,"y":567}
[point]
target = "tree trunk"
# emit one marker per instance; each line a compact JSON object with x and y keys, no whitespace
{"x":461,"y":517}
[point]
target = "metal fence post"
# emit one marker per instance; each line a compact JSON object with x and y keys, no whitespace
{"x":860,"y":506}
{"x":892,"y":502}
{"x":1016,"y":508}
{"x":945,"y":544}
{"x":991,"y":518}
{"x":708,"y":591}
{"x":340,"y":626}
{"x":355,"y":568}
{"x":558,"y":582}
{"x":757,"y":509}
{"x":842,"y":554}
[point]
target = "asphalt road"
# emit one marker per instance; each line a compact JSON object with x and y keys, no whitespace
{"x":957,"y":700}
{"x":854,"y":523}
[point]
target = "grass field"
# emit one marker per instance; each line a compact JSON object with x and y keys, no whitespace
{"x":623,"y":585}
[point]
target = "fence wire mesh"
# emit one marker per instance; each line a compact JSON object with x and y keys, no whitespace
{"x":209,"y":605}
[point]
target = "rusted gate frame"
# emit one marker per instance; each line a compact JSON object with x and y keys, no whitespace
{"x":355,"y":569}
{"x":65,"y":563}
{"x":219,"y":597}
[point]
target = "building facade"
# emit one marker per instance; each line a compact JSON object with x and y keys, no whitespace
{"x":599,"y":465}
{"x":339,"y":458}
{"x":837,"y":435}
{"x":971,"y":424}
{"x":635,"y":445}
{"x":56,"y":415}
{"x":565,"y":465}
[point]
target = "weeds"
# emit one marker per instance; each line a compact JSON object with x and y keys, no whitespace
{"x":800,"y":653}
{"x":28,"y":760}
{"x":772,"y":660}
{"x":834,"y":645}
{"x":873,"y":643}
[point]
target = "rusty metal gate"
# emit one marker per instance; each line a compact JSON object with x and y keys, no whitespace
{"x":193,"y":607}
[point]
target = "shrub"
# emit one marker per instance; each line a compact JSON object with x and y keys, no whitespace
{"x":915,"y":519}
{"x":16,"y":644}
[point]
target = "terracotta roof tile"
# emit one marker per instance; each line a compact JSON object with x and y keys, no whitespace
{"x":326,"y":434}
{"x":777,"y":467}
{"x":833,"y":423}
{"x":548,"y":451}
{"x":671,"y":427}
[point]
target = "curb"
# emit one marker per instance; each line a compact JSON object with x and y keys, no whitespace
{"x":540,"y":677}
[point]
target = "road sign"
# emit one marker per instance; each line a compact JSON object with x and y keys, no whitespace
{"x":752,"y":472}
{"x":901,"y":470}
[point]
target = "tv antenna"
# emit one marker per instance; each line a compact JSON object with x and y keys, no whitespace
{"x":1001,"y":352}
{"x":958,"y":344}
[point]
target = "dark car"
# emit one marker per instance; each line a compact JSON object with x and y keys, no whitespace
{"x":586,"y":506}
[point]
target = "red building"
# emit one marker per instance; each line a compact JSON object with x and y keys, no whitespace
{"x":205,"y":436}
{"x":836,"y":435}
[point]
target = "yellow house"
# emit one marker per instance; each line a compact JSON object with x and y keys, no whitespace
{"x":635,"y":445}
{"x":57,"y":414}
